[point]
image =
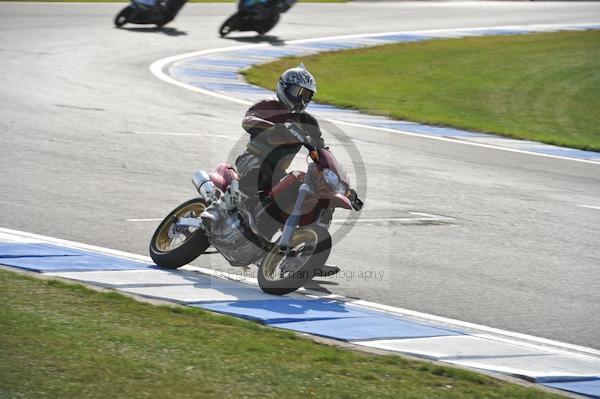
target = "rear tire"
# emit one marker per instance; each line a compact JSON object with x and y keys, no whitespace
{"x":171,"y":248}
{"x":123,"y":17}
{"x":270,"y":278}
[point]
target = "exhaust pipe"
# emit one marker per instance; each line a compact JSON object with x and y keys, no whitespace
{"x":204,"y":185}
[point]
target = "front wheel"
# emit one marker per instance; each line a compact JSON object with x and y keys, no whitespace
{"x":123,"y":17}
{"x":172,"y":247}
{"x":281,"y":274}
{"x":229,"y":25}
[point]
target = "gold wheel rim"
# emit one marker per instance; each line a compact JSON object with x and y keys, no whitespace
{"x":168,"y":239}
{"x":273,"y":260}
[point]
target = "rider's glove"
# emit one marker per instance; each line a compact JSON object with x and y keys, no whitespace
{"x":357,"y":204}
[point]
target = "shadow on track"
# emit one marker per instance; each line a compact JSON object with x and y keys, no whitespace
{"x":318,"y":285}
{"x":273,"y":40}
{"x":165,"y":30}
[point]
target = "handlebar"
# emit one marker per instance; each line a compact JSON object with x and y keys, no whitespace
{"x":313,"y":152}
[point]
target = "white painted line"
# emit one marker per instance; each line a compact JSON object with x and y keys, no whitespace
{"x":589,"y":206}
{"x":540,"y":368}
{"x":8,"y":237}
{"x":498,"y":334}
{"x":431,"y":215}
{"x":453,"y":347}
{"x":555,"y":350}
{"x":453,"y":322}
{"x":157,"y":68}
{"x":22,"y":236}
{"x":458,"y":141}
{"x":436,"y":31}
{"x":143,"y":220}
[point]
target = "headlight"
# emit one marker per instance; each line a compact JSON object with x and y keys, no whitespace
{"x":333,"y":181}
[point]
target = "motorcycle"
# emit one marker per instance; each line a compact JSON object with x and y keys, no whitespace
{"x":260,"y":16}
{"x":296,"y":243}
{"x":157,"y":12}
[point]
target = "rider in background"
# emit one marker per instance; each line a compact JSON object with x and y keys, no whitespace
{"x":173,"y":7}
{"x":259,"y":9}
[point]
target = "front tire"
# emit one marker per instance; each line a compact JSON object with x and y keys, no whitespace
{"x":123,"y":17}
{"x":229,"y":25}
{"x":172,"y":248}
{"x":280,"y":275}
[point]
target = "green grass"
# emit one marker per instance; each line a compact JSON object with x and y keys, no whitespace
{"x":543,"y":87}
{"x":62,"y":340}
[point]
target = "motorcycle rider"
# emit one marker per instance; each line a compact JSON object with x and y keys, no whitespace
{"x":259,"y":9}
{"x":272,"y":146}
{"x":171,"y":8}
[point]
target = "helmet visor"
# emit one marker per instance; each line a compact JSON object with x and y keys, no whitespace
{"x":299,"y":93}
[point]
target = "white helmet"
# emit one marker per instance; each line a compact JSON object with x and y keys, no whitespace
{"x":295,"y":88}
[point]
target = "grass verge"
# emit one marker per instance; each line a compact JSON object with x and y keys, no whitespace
{"x":543,"y":87}
{"x":63,"y":340}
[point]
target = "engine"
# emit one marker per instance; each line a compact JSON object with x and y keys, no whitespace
{"x":235,"y":241}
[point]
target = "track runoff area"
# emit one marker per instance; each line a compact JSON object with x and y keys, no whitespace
{"x":215,"y":72}
{"x":553,"y":364}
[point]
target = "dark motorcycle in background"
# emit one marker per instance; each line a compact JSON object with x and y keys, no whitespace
{"x":156,"y":12}
{"x":255,"y":15}
{"x":289,"y":250}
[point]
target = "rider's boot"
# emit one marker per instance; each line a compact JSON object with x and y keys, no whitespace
{"x":260,"y":219}
{"x":326,"y":271}
{"x":210,"y":216}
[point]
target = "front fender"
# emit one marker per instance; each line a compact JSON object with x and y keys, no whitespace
{"x":340,"y":201}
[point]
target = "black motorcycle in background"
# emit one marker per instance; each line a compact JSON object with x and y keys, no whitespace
{"x":157,"y":12}
{"x":255,"y":15}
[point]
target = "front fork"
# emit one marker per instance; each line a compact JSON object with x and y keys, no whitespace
{"x":294,"y":218}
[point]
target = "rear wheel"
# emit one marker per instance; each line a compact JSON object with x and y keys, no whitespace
{"x":172,"y":247}
{"x":281,"y":274}
{"x":123,"y":17}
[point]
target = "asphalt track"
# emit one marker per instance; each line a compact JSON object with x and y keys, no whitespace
{"x":80,"y":155}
